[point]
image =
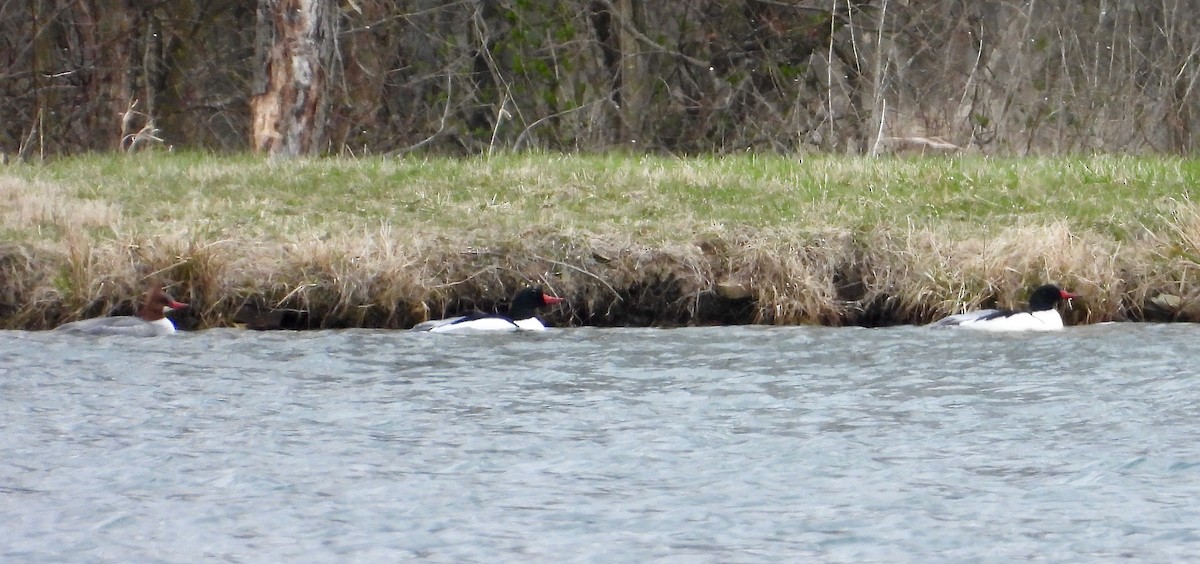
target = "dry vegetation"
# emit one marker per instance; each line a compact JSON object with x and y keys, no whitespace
{"x":999,"y":77}
{"x":629,"y":241}
{"x":755,"y":236}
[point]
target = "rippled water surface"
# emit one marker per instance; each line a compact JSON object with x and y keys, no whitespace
{"x":604,"y":445}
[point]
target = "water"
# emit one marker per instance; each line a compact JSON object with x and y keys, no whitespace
{"x":602,"y":445}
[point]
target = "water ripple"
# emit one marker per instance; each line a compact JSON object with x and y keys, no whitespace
{"x":708,"y":444}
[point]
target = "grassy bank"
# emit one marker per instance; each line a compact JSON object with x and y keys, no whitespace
{"x":627,"y":239}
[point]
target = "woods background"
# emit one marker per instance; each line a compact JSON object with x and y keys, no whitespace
{"x":474,"y":76}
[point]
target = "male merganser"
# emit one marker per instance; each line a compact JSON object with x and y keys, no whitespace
{"x":520,"y":316}
{"x":151,"y":319}
{"x":1041,"y":315}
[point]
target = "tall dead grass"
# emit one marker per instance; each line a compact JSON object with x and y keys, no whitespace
{"x":70,"y":257}
{"x":927,"y":273}
{"x":377,"y":279}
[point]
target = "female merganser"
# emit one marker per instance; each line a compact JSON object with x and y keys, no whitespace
{"x":151,"y":319}
{"x":1041,"y":315}
{"x":520,"y":316}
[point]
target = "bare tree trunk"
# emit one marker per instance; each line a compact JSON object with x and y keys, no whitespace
{"x":295,"y":44}
{"x":107,"y":29}
{"x":295,"y":77}
{"x":632,"y":78}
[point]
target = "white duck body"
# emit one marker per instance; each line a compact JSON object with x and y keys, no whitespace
{"x":524,"y":304}
{"x":1003,"y":321}
{"x":1041,"y":315}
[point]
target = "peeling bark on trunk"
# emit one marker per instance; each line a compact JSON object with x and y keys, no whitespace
{"x":295,"y":45}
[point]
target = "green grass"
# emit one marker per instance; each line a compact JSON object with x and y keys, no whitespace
{"x":955,"y":227}
{"x":653,"y":196}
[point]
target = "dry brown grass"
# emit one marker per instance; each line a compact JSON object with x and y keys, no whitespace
{"x":613,"y":239}
{"x":373,"y":280}
{"x":31,"y":205}
{"x":929,"y":273}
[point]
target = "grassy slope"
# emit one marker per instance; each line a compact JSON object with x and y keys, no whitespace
{"x":631,"y":239}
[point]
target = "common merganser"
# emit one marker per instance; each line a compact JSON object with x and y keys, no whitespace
{"x":521,"y":316}
{"x":1041,"y":315}
{"x":151,"y":319}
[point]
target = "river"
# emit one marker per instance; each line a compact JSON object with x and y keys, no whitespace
{"x":722,"y":444}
